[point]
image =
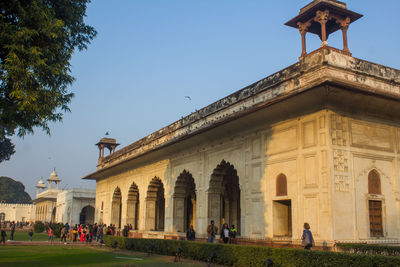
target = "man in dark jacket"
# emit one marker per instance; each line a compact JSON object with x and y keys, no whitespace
{"x":191,"y":234}
{"x":3,"y":235}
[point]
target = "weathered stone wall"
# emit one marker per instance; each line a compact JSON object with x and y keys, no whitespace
{"x":18,"y":212}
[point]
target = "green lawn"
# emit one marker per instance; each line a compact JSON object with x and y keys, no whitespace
{"x":67,"y":255}
{"x":23,"y":236}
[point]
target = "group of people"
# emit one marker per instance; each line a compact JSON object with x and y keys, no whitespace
{"x":88,"y":233}
{"x":226,"y":234}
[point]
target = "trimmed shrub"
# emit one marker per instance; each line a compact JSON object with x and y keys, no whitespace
{"x":57,"y":229}
{"x":38,"y":227}
{"x":236,"y":255}
{"x":372,"y":249}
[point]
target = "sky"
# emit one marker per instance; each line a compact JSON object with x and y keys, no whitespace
{"x":150,"y":54}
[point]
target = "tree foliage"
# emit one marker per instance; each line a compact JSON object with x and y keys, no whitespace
{"x":37,"y":40}
{"x":12,"y":191}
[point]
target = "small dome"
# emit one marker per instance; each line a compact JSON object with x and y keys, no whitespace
{"x":54,"y":177}
{"x":41,"y":184}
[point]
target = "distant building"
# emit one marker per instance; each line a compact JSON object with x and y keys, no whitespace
{"x":55,"y":205}
{"x":17,"y":212}
{"x":76,"y":206}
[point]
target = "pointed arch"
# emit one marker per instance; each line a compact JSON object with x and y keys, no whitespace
{"x":374,"y":183}
{"x":133,"y":206}
{"x":116,"y":208}
{"x":155,"y":205}
{"x":281,"y":185}
{"x":224,"y":195}
{"x":184,"y":199}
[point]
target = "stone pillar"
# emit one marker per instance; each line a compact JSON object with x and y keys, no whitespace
{"x":179,"y":214}
{"x":303,"y":30}
{"x":194,"y":213}
{"x":322,"y":18}
{"x":344,"y":26}
{"x":150,"y":214}
{"x":214,"y":208}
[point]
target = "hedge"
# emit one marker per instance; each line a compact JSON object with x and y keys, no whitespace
{"x":372,"y":249}
{"x":238,"y":255}
{"x":38,"y":227}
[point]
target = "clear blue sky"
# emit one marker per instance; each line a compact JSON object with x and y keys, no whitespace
{"x":149,"y":55}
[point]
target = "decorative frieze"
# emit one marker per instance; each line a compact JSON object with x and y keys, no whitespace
{"x":339,"y":130}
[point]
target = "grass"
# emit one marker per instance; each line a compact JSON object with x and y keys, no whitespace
{"x":23,"y":236}
{"x":79,"y":256}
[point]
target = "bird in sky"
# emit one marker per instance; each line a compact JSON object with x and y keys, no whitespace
{"x":107,"y":133}
{"x":188,"y":97}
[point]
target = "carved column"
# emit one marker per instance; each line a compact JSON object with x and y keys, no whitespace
{"x":303,"y":30}
{"x":194,"y":213}
{"x":344,"y":25}
{"x":322,"y":18}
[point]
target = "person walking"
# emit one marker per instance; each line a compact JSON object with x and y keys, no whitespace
{"x":75,"y":233}
{"x":307,"y":237}
{"x":64,"y":235}
{"x":30,"y":233}
{"x":191,"y":234}
{"x":211,"y":232}
{"x":3,"y":235}
{"x":232,"y":235}
{"x":50,"y":235}
{"x":12,"y":230}
{"x":225,"y":233}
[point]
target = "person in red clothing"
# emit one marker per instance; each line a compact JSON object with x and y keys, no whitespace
{"x":51,"y":235}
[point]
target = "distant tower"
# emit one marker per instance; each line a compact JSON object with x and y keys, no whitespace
{"x":323,"y":17}
{"x":40,"y":185}
{"x":54,"y":178}
{"x":109,"y":143}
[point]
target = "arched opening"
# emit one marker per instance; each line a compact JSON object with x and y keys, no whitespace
{"x":116,"y":207}
{"x":374,"y":183}
{"x":87,"y":215}
{"x":133,"y":206}
{"x":2,"y":217}
{"x":184,"y":202}
{"x":281,"y":185}
{"x":224,"y":196}
{"x":53,"y":215}
{"x":375,"y":206}
{"x":155,"y":205}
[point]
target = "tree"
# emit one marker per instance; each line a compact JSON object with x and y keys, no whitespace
{"x":37,"y":40}
{"x":12,"y":191}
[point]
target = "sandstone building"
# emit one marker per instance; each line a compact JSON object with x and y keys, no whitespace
{"x":316,"y":142}
{"x":75,"y":206}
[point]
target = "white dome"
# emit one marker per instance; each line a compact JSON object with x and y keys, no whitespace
{"x":54,"y":177}
{"x":41,"y":184}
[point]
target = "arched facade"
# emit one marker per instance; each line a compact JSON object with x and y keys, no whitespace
{"x":87,"y":215}
{"x":116,"y":208}
{"x":132,"y":205}
{"x":184,"y":199}
{"x":224,"y":195}
{"x":2,"y":217}
{"x":155,"y":205}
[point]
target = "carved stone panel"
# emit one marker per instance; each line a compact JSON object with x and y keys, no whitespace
{"x":370,"y":135}
{"x":340,"y":160}
{"x":339,"y":130}
{"x":342,"y":183}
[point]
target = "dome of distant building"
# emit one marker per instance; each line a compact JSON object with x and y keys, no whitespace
{"x":41,"y":184}
{"x":54,"y":177}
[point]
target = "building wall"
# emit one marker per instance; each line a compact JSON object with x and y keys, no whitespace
{"x":325,"y":156}
{"x":18,"y":212}
{"x":44,"y":210}
{"x":70,"y":204}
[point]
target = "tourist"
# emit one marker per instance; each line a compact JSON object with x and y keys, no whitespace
{"x":211,"y":232}
{"x":3,"y":235}
{"x":307,"y":238}
{"x":75,"y":233}
{"x":50,"y":235}
{"x":233,"y":233}
{"x":64,"y":235}
{"x":191,"y":234}
{"x":66,"y":229}
{"x":225,"y":233}
{"x":12,"y":230}
{"x":80,"y":232}
{"x":30,"y":233}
